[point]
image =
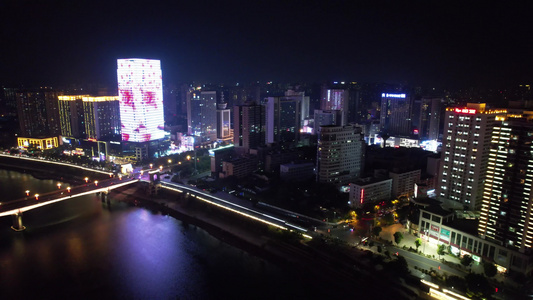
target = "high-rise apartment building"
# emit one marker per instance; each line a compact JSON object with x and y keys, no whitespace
{"x":506,"y":213}
{"x":395,"y":114}
{"x":86,"y":117}
{"x":202,"y":114}
{"x":38,"y":113}
{"x":340,"y":154}
{"x":465,"y":154}
{"x":140,"y":89}
{"x":249,"y":128}
{"x":71,"y":116}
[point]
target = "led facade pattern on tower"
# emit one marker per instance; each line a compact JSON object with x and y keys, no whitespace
{"x":140,"y":90}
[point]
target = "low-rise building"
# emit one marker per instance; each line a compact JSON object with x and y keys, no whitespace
{"x":297,"y":172}
{"x":369,"y":190}
{"x":440,"y":226}
{"x":404,"y":183}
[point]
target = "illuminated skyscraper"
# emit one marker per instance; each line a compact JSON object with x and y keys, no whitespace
{"x":507,"y":199}
{"x":140,"y":89}
{"x":465,"y":154}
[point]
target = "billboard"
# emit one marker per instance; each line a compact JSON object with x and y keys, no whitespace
{"x":140,"y":90}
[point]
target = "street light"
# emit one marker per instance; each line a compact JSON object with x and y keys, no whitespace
{"x":96,"y":182}
{"x":160,"y":168}
{"x":120,"y":176}
{"x":27,"y":192}
{"x":59,"y":185}
{"x":151,"y":165}
{"x":170,"y":161}
{"x":68,"y":189}
{"x":36,"y":196}
{"x":142,"y":172}
{"x":86,"y":179}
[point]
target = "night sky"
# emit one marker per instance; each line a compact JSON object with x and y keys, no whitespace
{"x":422,"y":42}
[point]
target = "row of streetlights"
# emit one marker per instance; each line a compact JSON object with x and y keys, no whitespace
{"x":68,"y":188}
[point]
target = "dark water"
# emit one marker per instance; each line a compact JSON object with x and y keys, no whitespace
{"x":86,"y":249}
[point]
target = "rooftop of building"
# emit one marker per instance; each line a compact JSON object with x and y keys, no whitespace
{"x":437,"y":210}
{"x":465,"y":225}
{"x":369,"y":180}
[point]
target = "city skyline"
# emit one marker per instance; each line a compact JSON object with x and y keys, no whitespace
{"x":426,"y":44}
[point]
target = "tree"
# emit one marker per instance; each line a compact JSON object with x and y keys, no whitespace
{"x":490,"y":269}
{"x":376,"y":230}
{"x":398,"y":237}
{"x":418,"y":243}
{"x":478,"y":286}
{"x":441,"y":249}
{"x":466,"y":260}
{"x":399,"y":265}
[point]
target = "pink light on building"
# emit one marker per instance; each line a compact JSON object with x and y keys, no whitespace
{"x":140,"y":89}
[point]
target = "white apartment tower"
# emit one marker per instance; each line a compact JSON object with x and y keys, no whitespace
{"x":465,"y":153}
{"x":340,"y":154}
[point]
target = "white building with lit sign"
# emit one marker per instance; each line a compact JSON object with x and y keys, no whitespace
{"x":465,"y":154}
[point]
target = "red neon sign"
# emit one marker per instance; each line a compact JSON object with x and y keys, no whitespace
{"x":469,"y":111}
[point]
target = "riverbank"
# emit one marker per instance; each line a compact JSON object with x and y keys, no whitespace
{"x":330,"y":275}
{"x":42,"y":170}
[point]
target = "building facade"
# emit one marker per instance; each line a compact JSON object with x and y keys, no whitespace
{"x":404,"y":183}
{"x":249,"y":128}
{"x":38,"y":113}
{"x":369,"y":191}
{"x":202,"y":115}
{"x":395,"y":114}
{"x":340,"y":155}
{"x":465,"y":154}
{"x":140,"y":89}
{"x":438,"y":226}
{"x":506,"y":212}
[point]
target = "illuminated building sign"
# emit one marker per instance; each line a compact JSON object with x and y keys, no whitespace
{"x":469,"y":111}
{"x":140,"y":90}
{"x":386,"y":95}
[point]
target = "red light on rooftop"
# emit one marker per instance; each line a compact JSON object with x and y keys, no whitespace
{"x":465,"y":110}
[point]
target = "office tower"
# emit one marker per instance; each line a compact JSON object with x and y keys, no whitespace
{"x":428,"y":118}
{"x":395,"y":115}
{"x":507,"y":199}
{"x":465,"y":153}
{"x":202,"y":114}
{"x":340,"y":154}
{"x":335,"y":99}
{"x":38,"y":113}
{"x":223,"y":121}
{"x":304,"y":102}
{"x":327,"y":117}
{"x":249,"y":128}
{"x":140,"y":91}
{"x":283,"y":119}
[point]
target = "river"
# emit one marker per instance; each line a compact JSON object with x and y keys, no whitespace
{"x":83,"y":248}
